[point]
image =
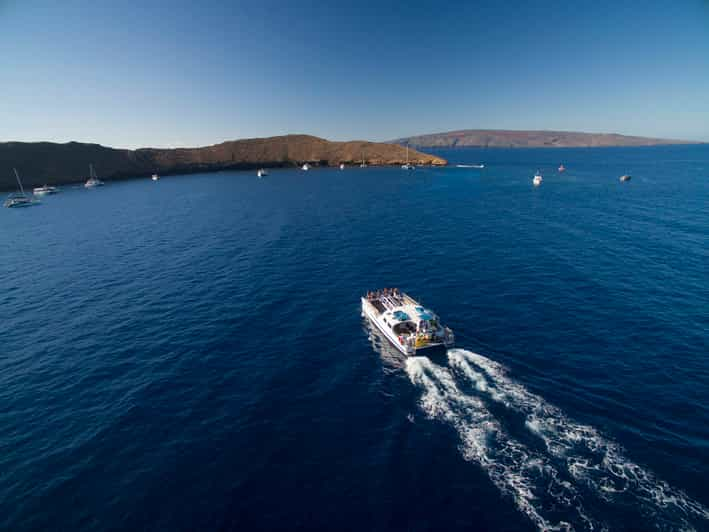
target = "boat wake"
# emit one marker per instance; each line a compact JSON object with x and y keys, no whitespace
{"x":562,"y":474}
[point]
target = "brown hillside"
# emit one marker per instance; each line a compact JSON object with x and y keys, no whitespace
{"x":50,"y":163}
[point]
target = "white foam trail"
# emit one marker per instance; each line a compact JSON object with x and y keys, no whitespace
{"x":589,"y":457}
{"x":514,"y":468}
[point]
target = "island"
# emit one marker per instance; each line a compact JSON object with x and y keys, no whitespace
{"x":51,"y":163}
{"x":499,"y":138}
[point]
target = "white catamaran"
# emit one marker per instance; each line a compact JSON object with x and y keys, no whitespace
{"x":93,"y":181}
{"x":405,"y":322}
{"x":19,"y":199}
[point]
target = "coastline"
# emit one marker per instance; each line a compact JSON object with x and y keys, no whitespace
{"x":49,"y":163}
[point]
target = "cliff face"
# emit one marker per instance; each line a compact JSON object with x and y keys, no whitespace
{"x":50,"y":163}
{"x":491,"y":138}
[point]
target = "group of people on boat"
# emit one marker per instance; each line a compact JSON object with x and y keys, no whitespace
{"x":385,"y":292}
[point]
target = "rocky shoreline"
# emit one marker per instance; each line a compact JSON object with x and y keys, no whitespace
{"x":50,"y":163}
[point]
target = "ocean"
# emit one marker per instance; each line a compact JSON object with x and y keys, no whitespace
{"x":189,"y":354}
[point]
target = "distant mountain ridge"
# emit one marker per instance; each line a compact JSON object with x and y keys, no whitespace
{"x":500,"y":138}
{"x":52,"y":163}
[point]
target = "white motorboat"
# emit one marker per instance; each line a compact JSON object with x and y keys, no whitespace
{"x":342,"y":166}
{"x":305,"y":167}
{"x":19,"y":199}
{"x":263,"y":173}
{"x":624,"y":178}
{"x":45,"y":190}
{"x":93,"y":181}
{"x":408,"y":325}
{"x":537,"y":179}
{"x":562,"y":168}
{"x":470,"y":166}
{"x":155,"y":177}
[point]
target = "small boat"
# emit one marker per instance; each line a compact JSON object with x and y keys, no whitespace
{"x":93,"y":181}
{"x":155,"y":177}
{"x":45,"y":190}
{"x":470,"y":166}
{"x":537,"y":179}
{"x":408,"y":325}
{"x":263,"y":173}
{"x":625,"y":178}
{"x":407,"y":166}
{"x":305,"y":167}
{"x":363,"y":165}
{"x":342,"y":166}
{"x":562,"y":168}
{"x":19,"y":199}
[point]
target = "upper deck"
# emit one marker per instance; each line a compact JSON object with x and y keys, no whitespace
{"x":398,"y":306}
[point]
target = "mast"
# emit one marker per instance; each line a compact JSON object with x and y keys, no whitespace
{"x":91,"y":170}
{"x":17,"y":176}
{"x":407,"y":154}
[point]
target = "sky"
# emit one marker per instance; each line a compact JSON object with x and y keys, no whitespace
{"x":186,"y":73}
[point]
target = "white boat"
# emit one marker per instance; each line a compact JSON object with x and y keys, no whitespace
{"x":470,"y":166}
{"x":624,"y":178}
{"x":408,"y":325}
{"x":93,"y":181}
{"x":407,"y":166}
{"x":263,"y":173}
{"x":155,"y":177}
{"x":342,"y":166}
{"x":537,"y":179}
{"x":45,"y":190}
{"x":363,"y":165}
{"x":562,"y":168}
{"x":305,"y":167}
{"x":19,"y":199}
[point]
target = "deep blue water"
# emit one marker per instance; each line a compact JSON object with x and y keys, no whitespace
{"x":189,"y":354}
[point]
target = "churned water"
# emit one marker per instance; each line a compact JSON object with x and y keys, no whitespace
{"x":189,"y":354}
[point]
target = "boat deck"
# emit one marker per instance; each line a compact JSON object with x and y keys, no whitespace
{"x":389,"y":300}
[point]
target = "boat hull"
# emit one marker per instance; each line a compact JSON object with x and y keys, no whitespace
{"x":18,"y":205}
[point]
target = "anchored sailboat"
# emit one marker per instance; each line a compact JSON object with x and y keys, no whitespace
{"x":93,"y":181}
{"x":407,"y":166}
{"x":19,"y":199}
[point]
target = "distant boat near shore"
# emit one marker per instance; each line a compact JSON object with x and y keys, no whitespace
{"x":342,"y":166}
{"x":407,"y":166}
{"x":625,"y":178}
{"x":93,"y":181}
{"x":155,"y":177}
{"x":263,"y":173}
{"x":537,"y":179}
{"x":305,"y":167}
{"x":45,"y":190}
{"x":19,"y":199}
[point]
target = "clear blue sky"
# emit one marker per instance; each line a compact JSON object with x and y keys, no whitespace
{"x":193,"y":73}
